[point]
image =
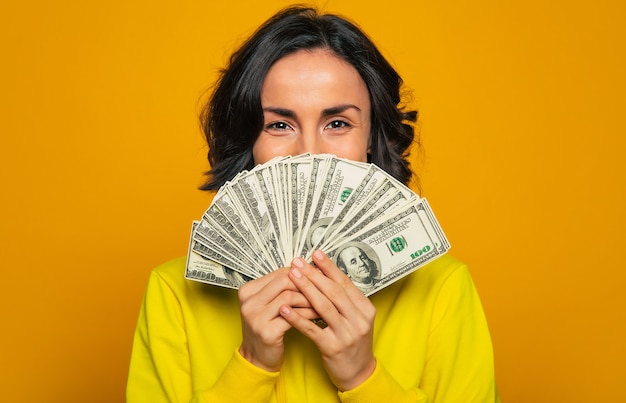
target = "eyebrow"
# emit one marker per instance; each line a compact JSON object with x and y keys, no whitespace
{"x":338,"y":109}
{"x":288,"y":113}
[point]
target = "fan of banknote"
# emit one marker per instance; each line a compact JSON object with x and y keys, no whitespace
{"x":373,"y":227}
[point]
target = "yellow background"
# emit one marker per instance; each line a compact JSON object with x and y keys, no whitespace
{"x":522,"y":117}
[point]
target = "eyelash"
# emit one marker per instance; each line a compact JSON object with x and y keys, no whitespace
{"x":333,"y":125}
{"x":343,"y":123}
{"x":275,"y":126}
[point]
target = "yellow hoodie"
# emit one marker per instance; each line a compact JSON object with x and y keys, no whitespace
{"x":431,"y":343}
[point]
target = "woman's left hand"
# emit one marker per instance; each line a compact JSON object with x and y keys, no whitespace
{"x":346,"y":343}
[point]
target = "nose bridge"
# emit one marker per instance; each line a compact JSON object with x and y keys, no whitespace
{"x":309,"y":141}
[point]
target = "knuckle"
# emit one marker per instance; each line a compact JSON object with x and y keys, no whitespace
{"x":243,"y":292}
{"x":248,"y":308}
{"x":335,"y":291}
{"x":266,"y":335}
{"x":335,"y":349}
{"x":363,"y":329}
{"x":325,"y":307}
{"x":370,"y":312}
{"x":309,"y":331}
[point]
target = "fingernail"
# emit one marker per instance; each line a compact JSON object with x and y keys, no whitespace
{"x":285,"y":310}
{"x":296,"y":273}
{"x":319,"y":255}
{"x":297,"y":262}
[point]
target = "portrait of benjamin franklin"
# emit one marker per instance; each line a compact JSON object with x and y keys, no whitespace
{"x":360,"y":263}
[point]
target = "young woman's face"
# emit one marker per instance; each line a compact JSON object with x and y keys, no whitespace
{"x":313,"y":102}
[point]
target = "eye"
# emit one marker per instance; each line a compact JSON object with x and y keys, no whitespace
{"x":338,"y":124}
{"x":278,"y":126}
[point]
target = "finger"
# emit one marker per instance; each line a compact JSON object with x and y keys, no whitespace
{"x":327,"y":277}
{"x":307,"y":313}
{"x":323,"y":293}
{"x":334,"y":301}
{"x":294,"y":299}
{"x":267,"y":287}
{"x":256,"y":284}
{"x":303,"y":323}
{"x":330,"y":269}
{"x":265,"y":321}
{"x":260,"y":313}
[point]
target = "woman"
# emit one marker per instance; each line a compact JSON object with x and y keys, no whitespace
{"x":306,"y":82}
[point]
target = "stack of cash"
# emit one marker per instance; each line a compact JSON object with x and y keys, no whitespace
{"x":372,"y":226}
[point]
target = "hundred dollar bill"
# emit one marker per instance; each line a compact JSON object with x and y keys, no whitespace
{"x":282,"y":200}
{"x":375,"y":228}
{"x":382,"y":203}
{"x":221,"y":238}
{"x":432,"y":226}
{"x":264,"y":183}
{"x":375,"y":188}
{"x":215,"y":247}
{"x":301,"y":170}
{"x":299,"y":174}
{"x":201,"y":269}
{"x":378,"y":255}
{"x":319,"y":164}
{"x":247,"y":195}
{"x":340,"y":179}
{"x":229,"y":219}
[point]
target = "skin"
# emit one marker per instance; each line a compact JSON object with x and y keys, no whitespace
{"x":313,"y":102}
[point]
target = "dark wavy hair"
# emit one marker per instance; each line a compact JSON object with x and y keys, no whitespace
{"x":233,"y":117}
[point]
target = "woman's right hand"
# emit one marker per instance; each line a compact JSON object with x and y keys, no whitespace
{"x":262,"y":325}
